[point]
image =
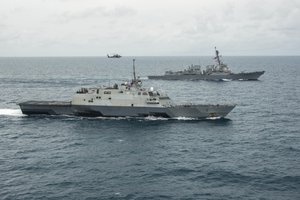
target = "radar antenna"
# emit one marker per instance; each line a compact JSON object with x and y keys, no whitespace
{"x":217,"y":56}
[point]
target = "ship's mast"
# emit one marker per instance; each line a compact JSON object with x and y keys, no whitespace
{"x":217,"y":56}
{"x":134,"y":77}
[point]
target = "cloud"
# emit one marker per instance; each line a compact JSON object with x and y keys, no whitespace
{"x":96,"y":12}
{"x":141,"y":27}
{"x":5,"y":38}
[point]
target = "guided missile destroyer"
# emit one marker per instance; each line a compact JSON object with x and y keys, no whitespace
{"x":129,"y":99}
{"x":217,"y":72}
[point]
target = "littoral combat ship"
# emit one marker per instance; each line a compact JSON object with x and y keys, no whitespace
{"x":217,"y":72}
{"x":129,"y":99}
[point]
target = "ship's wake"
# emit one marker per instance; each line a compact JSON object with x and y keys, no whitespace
{"x":18,"y":113}
{"x":185,"y":118}
{"x":11,"y":112}
{"x":213,"y":118}
{"x":226,"y":80}
{"x":154,"y":118}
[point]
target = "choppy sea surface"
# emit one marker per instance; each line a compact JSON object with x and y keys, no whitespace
{"x":253,"y":154}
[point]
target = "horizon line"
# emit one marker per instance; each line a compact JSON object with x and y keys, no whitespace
{"x":150,"y":56}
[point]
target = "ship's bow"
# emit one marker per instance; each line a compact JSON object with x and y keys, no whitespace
{"x":202,"y":111}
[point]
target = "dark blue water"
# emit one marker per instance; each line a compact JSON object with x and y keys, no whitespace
{"x":255,"y":154}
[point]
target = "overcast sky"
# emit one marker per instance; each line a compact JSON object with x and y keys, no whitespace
{"x":149,"y":27}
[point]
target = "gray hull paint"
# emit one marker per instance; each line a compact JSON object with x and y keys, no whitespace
{"x":65,"y":108}
{"x":46,"y":107}
{"x":239,"y":76}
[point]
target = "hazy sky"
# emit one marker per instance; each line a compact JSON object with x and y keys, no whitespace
{"x":149,"y":27}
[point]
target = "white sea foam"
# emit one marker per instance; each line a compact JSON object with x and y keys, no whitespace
{"x":153,"y":118}
{"x":213,"y":118}
{"x":226,"y":80}
{"x":110,"y":118}
{"x":185,"y":118}
{"x":11,"y":112}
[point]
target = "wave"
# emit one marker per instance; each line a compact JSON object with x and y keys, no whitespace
{"x":11,"y":112}
{"x":226,"y":80}
{"x":185,"y":118}
{"x":213,"y":118}
{"x":153,"y":118}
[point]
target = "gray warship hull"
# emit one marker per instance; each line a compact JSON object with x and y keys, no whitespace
{"x":211,"y":77}
{"x":66,"y":108}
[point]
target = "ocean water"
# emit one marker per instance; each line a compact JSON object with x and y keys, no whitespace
{"x":253,"y":154}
